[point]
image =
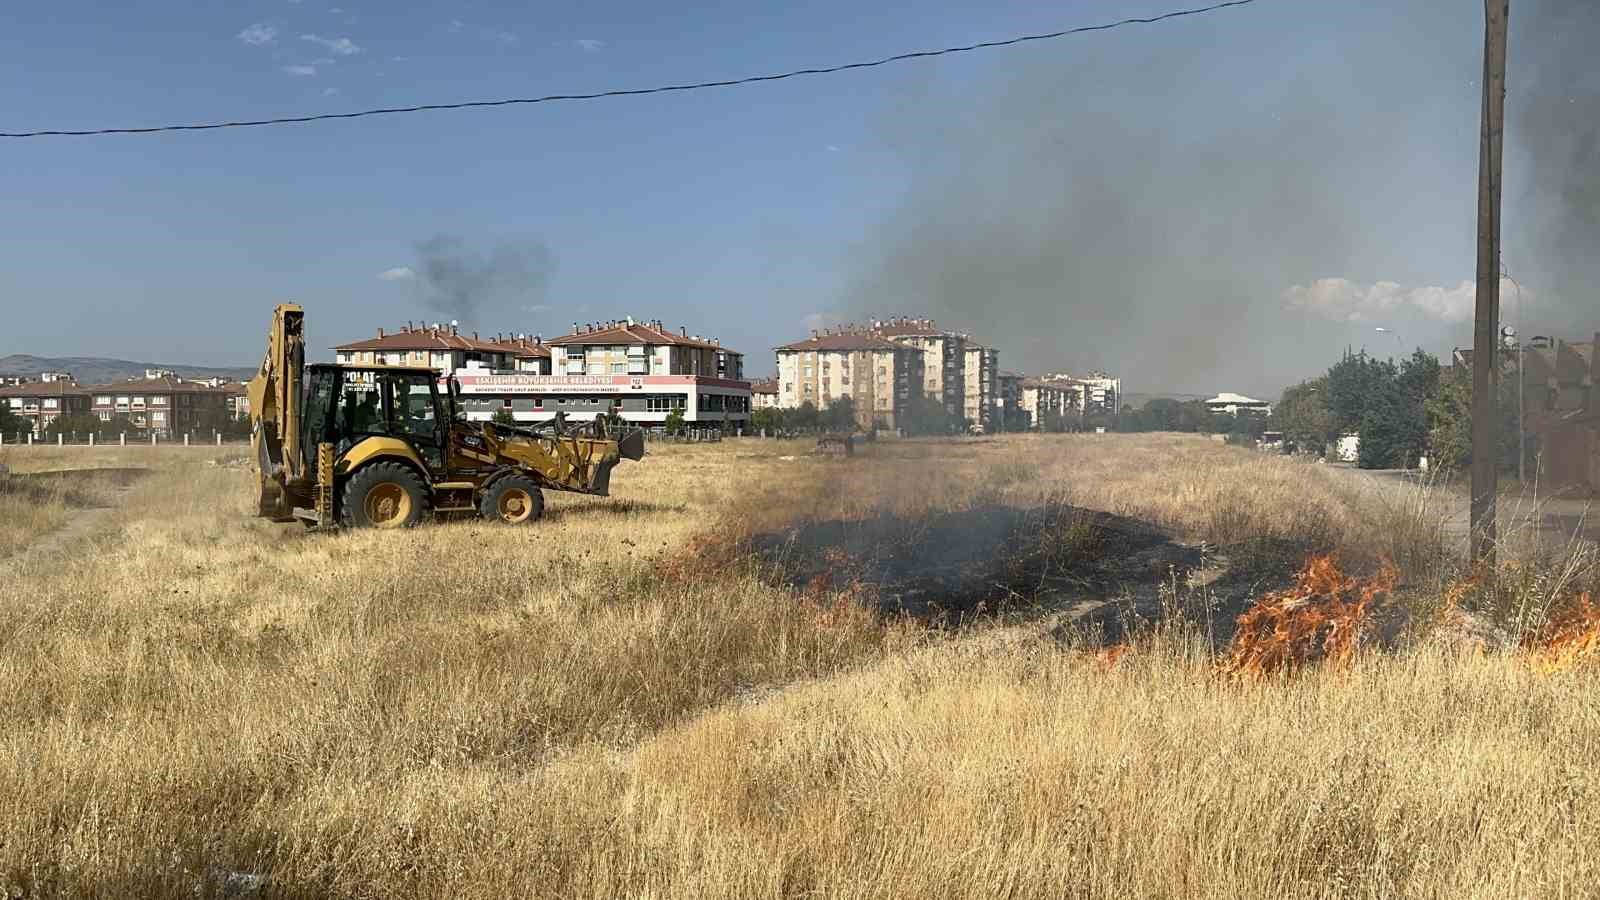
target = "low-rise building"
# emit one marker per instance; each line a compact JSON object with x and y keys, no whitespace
{"x":1234,"y":404}
{"x":764,"y":394}
{"x":42,"y":402}
{"x":637,"y":370}
{"x":879,"y":375}
{"x":165,"y":405}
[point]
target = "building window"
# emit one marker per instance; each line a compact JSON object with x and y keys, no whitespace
{"x":52,"y":404}
{"x":808,"y":372}
{"x":619,"y":368}
{"x":102,"y":401}
{"x":506,"y":403}
{"x":158,"y":401}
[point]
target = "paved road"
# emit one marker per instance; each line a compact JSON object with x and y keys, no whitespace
{"x":1556,"y":519}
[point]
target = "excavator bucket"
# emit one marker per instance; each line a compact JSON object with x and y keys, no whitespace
{"x":631,"y":445}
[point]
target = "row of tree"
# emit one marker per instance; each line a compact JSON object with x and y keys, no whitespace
{"x":78,"y":426}
{"x":1401,"y":411}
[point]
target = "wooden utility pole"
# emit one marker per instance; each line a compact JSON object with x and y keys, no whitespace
{"x":1486,"y":333}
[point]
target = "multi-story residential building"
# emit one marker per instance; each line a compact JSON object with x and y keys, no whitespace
{"x":981,"y":377}
{"x":166,"y":405}
{"x":528,"y":354}
{"x":440,"y":347}
{"x":1010,"y":399}
{"x":1044,"y":398}
{"x":638,"y":370}
{"x":944,"y":358}
{"x":48,"y":377}
{"x":42,"y":402}
{"x":764,"y":394}
{"x":881,"y":376}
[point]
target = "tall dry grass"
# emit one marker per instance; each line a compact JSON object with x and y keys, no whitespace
{"x":198,"y":698}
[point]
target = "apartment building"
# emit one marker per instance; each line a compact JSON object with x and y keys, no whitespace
{"x":440,"y":347}
{"x":164,"y":403}
{"x":42,"y":402}
{"x":944,"y":357}
{"x":637,"y":369}
{"x":1040,"y":399}
{"x":1010,"y":397}
{"x":528,"y":354}
{"x":880,"y":375}
{"x":982,"y":405}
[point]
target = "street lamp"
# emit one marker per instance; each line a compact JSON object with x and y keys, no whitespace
{"x":1508,"y":337}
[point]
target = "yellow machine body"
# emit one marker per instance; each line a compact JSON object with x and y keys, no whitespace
{"x":310,"y":442}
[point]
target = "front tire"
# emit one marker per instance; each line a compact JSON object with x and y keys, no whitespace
{"x":513,"y":500}
{"x":384,"y":495}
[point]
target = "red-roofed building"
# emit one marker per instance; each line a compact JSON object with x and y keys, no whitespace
{"x":764,"y":394}
{"x":440,"y":347}
{"x":40,"y":402}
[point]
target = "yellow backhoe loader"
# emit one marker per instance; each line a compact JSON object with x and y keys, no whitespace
{"x":385,"y":447}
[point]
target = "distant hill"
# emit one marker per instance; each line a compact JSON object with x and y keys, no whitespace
{"x":99,"y":370}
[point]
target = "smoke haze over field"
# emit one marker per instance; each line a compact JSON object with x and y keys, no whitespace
{"x":1555,"y":122}
{"x":1244,"y":238}
{"x":472,"y":287}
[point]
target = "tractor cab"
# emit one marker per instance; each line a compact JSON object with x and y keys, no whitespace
{"x":347,"y":405}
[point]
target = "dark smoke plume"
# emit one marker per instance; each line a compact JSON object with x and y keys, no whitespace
{"x":1553,"y":103}
{"x":468,"y":286}
{"x":1077,"y":218}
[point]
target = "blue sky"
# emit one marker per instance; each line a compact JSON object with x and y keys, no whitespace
{"x":745,"y":213}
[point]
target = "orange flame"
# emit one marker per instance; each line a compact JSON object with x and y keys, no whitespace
{"x":1322,"y":616}
{"x":1572,"y":637}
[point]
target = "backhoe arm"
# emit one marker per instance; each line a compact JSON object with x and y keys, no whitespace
{"x":275,"y":398}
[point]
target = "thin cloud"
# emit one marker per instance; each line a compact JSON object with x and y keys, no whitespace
{"x":1344,"y":300}
{"x":258,"y":34}
{"x":501,"y":37}
{"x":341,"y":46}
{"x":329,"y":91}
{"x":398,"y":273}
{"x":589,"y":45}
{"x":300,"y":71}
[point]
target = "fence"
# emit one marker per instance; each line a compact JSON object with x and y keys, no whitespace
{"x":211,"y":438}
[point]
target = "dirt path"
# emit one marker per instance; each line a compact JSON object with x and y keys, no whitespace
{"x":82,"y":522}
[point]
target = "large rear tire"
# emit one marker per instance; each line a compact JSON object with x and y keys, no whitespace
{"x":513,"y":500}
{"x":384,"y":495}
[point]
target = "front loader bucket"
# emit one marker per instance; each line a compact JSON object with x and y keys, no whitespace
{"x":631,"y":445}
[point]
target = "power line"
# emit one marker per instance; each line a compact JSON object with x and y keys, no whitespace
{"x":633,"y":92}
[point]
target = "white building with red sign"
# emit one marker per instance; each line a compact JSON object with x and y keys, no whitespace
{"x":645,"y":400}
{"x":639,"y":370}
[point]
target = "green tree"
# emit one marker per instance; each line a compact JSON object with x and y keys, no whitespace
{"x":840,"y":415}
{"x":1449,"y":413}
{"x":804,"y":417}
{"x":767,"y":420}
{"x":76,"y":426}
{"x":1303,"y":416}
{"x":10,"y":423}
{"x":503,"y":416}
{"x":924,"y":415}
{"x":674,"y":423}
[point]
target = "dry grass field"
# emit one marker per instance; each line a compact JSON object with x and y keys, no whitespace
{"x":699,"y":687}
